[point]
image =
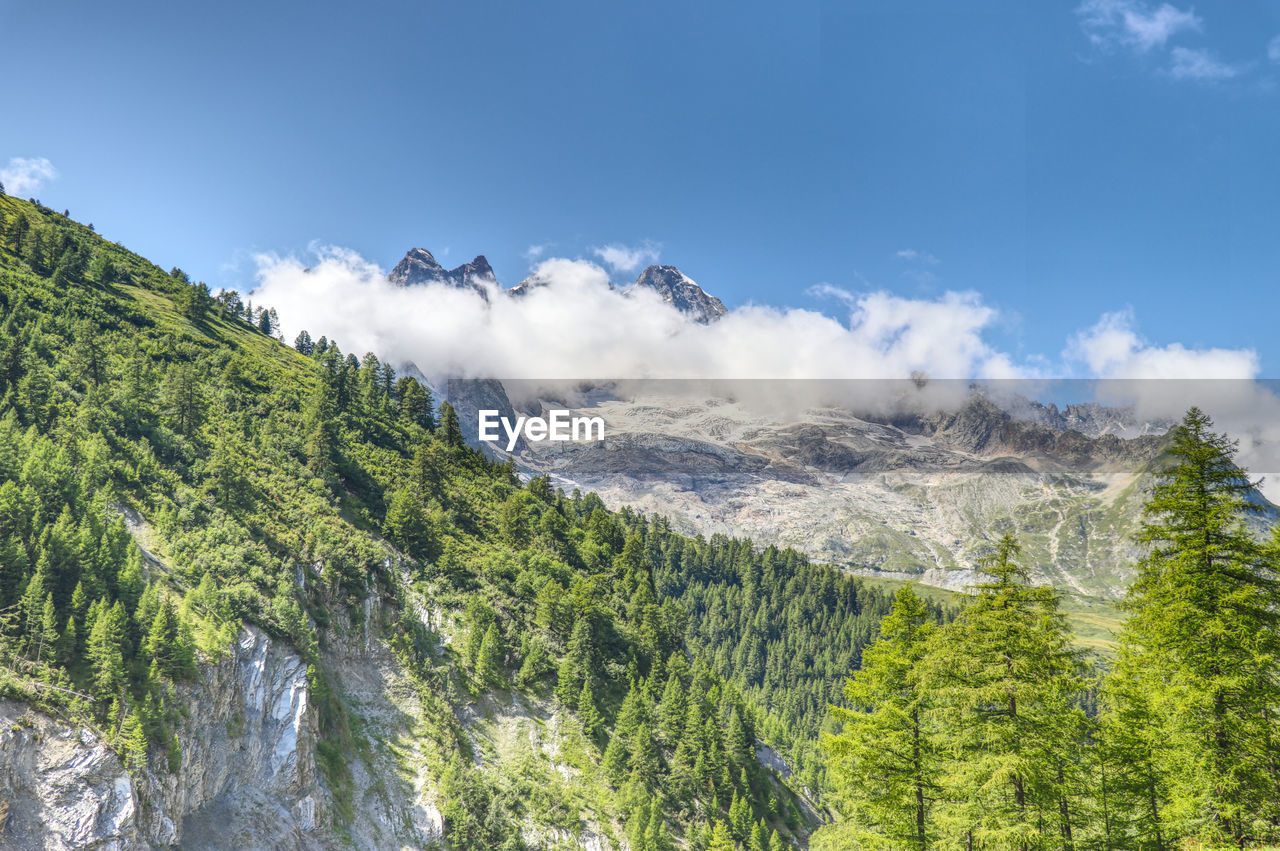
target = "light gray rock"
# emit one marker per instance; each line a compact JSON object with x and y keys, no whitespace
{"x":61,"y":788}
{"x":247,"y":777}
{"x":248,"y":767}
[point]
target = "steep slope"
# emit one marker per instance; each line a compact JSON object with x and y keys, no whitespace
{"x":260,"y":598}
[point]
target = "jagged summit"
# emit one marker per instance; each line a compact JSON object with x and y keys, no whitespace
{"x":528,"y":285}
{"x":681,"y":292}
{"x":420,"y":266}
{"x":474,"y":272}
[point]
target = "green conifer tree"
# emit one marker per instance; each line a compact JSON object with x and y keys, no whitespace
{"x":740,"y":817}
{"x":720,"y":839}
{"x":645,"y":762}
{"x":1005,"y":675}
{"x":885,"y":761}
{"x":489,"y":664}
{"x":587,"y":711}
{"x":578,"y":664}
{"x":47,"y":639}
{"x":104,"y":648}
{"x":31,"y":606}
{"x":164,"y":642}
{"x":616,"y":756}
{"x":1200,"y":652}
{"x":68,"y":644}
{"x":671,"y":712}
{"x":657,"y":837}
{"x":738,"y":741}
{"x":408,"y":526}
{"x":450,"y":429}
{"x":133,"y":743}
{"x":533,"y":665}
{"x":759,"y":837}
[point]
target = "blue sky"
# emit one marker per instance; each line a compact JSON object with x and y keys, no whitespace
{"x":1062,"y":160}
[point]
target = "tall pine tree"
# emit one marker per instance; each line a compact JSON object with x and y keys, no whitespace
{"x":1199,"y":660}
{"x":885,"y":761}
{"x":1005,"y":676}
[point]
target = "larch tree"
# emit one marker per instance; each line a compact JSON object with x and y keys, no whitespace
{"x":1199,"y":659}
{"x":489,"y":664}
{"x":1005,"y":676}
{"x":884,"y":763}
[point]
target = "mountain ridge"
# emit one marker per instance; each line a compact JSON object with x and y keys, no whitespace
{"x":908,"y":495}
{"x":419,"y":267}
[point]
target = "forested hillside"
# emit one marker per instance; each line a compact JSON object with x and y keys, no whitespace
{"x":169,"y":470}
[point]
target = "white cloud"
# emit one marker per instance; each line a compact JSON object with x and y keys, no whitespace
{"x":1220,"y":381}
{"x":1273,"y":49}
{"x":576,"y":327}
{"x":1112,"y":348}
{"x":533,"y":252}
{"x":1134,"y":24}
{"x":625,"y":259}
{"x":911,"y":255}
{"x":24,"y":176}
{"x":825,"y":290}
{"x":1199,"y":64}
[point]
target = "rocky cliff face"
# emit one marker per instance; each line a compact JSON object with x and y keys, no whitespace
{"x":247,"y":777}
{"x":248,"y":773}
{"x":61,"y":788}
{"x":1088,"y":418}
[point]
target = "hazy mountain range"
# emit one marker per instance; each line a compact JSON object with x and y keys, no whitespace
{"x":898,"y":494}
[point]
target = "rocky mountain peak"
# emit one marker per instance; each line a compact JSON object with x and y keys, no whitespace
{"x":681,"y":292}
{"x":479,"y":268}
{"x":528,"y":285}
{"x":419,"y":266}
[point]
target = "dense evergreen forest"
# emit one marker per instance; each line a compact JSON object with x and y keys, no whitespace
{"x":990,"y":732}
{"x":169,"y":469}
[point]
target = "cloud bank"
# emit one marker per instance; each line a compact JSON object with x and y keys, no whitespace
{"x":23,"y":176}
{"x":575,"y":326}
